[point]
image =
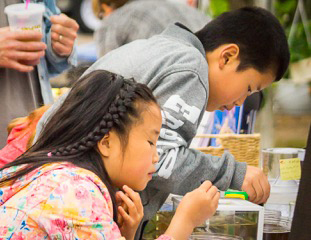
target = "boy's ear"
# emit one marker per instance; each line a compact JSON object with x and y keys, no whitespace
{"x":103,"y":145}
{"x":228,"y":54}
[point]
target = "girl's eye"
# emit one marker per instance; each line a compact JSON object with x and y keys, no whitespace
{"x":151,"y":143}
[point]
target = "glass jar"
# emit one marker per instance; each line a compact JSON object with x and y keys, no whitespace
{"x":276,"y":228}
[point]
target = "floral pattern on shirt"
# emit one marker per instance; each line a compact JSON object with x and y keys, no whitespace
{"x":57,"y":201}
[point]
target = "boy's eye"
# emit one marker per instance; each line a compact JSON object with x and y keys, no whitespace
{"x":151,"y":143}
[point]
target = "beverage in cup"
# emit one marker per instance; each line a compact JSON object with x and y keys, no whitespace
{"x":21,"y":18}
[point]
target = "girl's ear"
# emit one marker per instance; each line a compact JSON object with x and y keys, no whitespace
{"x":103,"y":145}
{"x":229,"y":55}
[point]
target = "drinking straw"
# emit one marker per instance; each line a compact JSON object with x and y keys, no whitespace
{"x":27,"y":2}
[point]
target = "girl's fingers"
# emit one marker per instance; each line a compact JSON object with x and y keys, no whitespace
{"x":124,"y":214}
{"x":135,"y":198}
{"x":206,"y":185}
{"x":216,"y":196}
{"x":131,"y":206}
{"x":120,"y":202}
{"x":118,"y":198}
{"x":212,"y":192}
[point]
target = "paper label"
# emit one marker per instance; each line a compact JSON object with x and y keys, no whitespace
{"x":290,"y":169}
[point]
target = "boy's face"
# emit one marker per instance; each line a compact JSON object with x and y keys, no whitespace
{"x":227,"y":87}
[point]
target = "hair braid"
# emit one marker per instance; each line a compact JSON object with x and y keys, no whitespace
{"x":116,"y":112}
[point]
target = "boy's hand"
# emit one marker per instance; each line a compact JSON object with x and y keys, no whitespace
{"x":256,"y":185}
{"x":130,"y":211}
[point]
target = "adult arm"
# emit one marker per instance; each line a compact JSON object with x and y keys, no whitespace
{"x":57,"y":62}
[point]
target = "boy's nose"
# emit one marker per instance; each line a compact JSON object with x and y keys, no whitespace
{"x":155,"y":157}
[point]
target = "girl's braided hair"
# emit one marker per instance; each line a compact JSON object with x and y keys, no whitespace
{"x":114,"y":118}
{"x":97,"y":103}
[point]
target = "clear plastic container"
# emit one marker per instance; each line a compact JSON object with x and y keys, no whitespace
{"x":272,"y":214}
{"x":21,"y":18}
{"x":234,"y":217}
{"x":271,"y":159}
{"x":213,"y":236}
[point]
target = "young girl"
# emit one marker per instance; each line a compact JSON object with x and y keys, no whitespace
{"x":102,"y":139}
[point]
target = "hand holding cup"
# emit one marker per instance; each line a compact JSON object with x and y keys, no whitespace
{"x":20,"y":50}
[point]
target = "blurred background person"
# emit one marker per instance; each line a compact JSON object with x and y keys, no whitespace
{"x":124,"y":21}
{"x":28,"y":59}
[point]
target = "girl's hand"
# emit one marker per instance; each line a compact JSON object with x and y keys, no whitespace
{"x":200,"y":204}
{"x":130,"y":211}
{"x":194,"y":209}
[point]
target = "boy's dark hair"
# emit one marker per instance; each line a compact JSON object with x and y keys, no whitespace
{"x":98,"y":103}
{"x":259,"y":35}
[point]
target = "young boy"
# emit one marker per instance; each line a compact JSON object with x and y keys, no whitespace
{"x":233,"y":56}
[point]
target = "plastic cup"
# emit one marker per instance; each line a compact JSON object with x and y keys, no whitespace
{"x":21,"y":18}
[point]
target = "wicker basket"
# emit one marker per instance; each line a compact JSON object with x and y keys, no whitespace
{"x":244,"y":147}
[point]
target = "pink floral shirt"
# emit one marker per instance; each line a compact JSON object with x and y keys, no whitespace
{"x":57,"y":201}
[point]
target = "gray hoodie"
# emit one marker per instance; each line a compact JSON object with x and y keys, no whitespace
{"x":174,"y":66}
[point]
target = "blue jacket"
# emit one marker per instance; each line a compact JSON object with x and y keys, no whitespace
{"x":51,"y":64}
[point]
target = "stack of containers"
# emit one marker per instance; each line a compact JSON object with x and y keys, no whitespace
{"x":283,"y":168}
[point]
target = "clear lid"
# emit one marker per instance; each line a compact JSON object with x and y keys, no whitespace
{"x":283,"y":150}
{"x":20,"y":9}
{"x":272,"y":214}
{"x":213,"y":236}
{"x":226,"y":204}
